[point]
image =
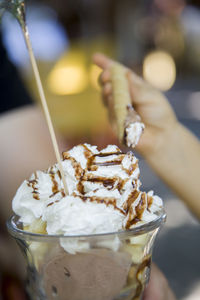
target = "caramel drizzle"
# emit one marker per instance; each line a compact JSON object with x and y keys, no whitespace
{"x":109,"y":183}
{"x":59,"y":174}
{"x":80,"y":186}
{"x":109,"y":154}
{"x":115,"y":161}
{"x":149,"y":202}
{"x":51,"y":203}
{"x":131,"y":169}
{"x":89,"y":156}
{"x":139,"y":209}
{"x":32,"y":183}
{"x":102,"y":200}
{"x":132,"y":197}
{"x":77,"y":167}
{"x":55,"y":189}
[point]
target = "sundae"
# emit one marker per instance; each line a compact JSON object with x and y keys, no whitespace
{"x":97,"y":256}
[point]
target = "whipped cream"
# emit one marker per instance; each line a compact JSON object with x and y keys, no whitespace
{"x":104,"y":195}
{"x":133,"y":133}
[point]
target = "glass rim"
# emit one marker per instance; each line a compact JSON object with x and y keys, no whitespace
{"x":138,"y":230}
{"x":15,"y":231}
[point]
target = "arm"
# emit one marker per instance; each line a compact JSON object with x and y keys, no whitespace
{"x":25,"y":147}
{"x":158,"y":287}
{"x":177,"y":162}
{"x":171,"y":150}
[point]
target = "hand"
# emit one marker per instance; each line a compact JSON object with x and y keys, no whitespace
{"x":168,"y":147}
{"x":158,"y":287}
{"x":150,"y":104}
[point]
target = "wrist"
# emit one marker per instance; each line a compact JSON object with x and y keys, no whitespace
{"x":162,"y":145}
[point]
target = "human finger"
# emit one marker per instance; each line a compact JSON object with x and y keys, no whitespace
{"x":102,"y":60}
{"x":142,"y":92}
{"x":107,"y":89}
{"x":107,"y":100}
{"x":133,"y":77}
{"x":105,"y":76}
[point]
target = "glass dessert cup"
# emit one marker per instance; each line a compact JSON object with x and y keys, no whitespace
{"x":108,"y":266}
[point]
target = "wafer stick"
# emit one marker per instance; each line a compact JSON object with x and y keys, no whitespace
{"x":129,"y":125}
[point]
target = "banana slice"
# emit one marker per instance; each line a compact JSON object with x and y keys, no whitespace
{"x":38,"y":226}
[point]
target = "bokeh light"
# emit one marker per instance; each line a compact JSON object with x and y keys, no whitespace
{"x":159,"y":69}
{"x":69,"y":75}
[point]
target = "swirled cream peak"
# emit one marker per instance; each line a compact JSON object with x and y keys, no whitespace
{"x":104,"y":194}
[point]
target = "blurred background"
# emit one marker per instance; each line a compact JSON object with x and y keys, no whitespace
{"x":160,"y":40}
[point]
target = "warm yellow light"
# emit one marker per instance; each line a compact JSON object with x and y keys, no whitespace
{"x":69,"y":75}
{"x":67,"y":80}
{"x":95,"y":71}
{"x":159,"y":69}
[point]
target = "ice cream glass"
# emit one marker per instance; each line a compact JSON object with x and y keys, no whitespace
{"x":111,"y":266}
{"x":94,"y":242}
